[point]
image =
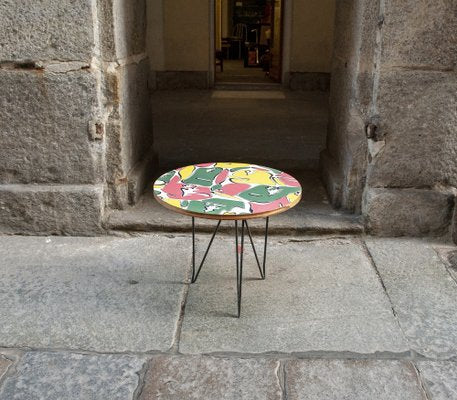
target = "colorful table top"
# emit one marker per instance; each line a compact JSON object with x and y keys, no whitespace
{"x":224,"y":190}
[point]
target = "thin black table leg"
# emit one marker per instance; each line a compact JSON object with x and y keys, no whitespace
{"x":195,"y":274}
{"x":239,"y":263}
{"x":261,"y":267}
{"x":193,"y":249}
{"x":239,"y":250}
{"x":265,"y":247}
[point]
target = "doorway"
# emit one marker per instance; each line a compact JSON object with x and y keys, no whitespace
{"x":248,"y":41}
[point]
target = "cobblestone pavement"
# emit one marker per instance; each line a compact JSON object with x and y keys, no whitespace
{"x":337,"y":318}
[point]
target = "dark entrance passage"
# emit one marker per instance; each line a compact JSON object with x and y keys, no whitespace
{"x":283,"y":129}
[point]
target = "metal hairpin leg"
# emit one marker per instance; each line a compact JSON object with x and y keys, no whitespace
{"x":239,"y":250}
{"x":261,"y":268}
{"x":195,"y":275}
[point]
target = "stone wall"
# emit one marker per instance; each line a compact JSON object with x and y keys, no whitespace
{"x":414,"y":161}
{"x":73,"y":112}
{"x":392,"y":141}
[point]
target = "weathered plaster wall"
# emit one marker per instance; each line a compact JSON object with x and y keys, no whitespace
{"x":312,"y":35}
{"x":64,"y":68}
{"x":311,"y":43}
{"x":394,"y":72}
{"x":178,"y":42}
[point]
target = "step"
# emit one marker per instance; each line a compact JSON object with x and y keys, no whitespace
{"x":313,"y":215}
{"x":247,"y":86}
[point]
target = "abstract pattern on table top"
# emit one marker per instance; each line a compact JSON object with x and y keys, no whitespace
{"x":224,"y":188}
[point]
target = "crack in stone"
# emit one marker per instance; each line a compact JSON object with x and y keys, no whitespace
{"x":421,"y":381}
{"x":178,"y":326}
{"x":141,"y":380}
{"x":448,"y":264}
{"x":381,"y":281}
{"x":280,"y":373}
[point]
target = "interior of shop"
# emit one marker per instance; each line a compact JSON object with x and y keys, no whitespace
{"x":248,"y":41}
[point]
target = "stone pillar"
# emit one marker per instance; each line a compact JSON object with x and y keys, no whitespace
{"x":392,"y":139}
{"x":344,"y":160}
{"x":129,"y":120}
{"x":74,"y":112}
{"x":412,"y":158}
{"x":51,"y":165}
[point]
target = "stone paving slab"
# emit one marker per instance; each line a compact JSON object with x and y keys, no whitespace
{"x":318,"y":296}
{"x":423,"y":294}
{"x":58,"y":376}
{"x":102,"y":294}
{"x":352,"y":379}
{"x":440,"y":379}
{"x":208,"y":378}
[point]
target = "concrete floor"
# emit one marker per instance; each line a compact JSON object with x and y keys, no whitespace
{"x":281,"y":129}
{"x":345,"y":317}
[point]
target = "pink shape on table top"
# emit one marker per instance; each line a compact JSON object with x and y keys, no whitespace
{"x":177,"y":190}
{"x":259,"y":208}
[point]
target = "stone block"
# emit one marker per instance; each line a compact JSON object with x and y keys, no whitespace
{"x":208,"y":378}
{"x":407,"y":212}
{"x":352,"y":379}
{"x":55,"y":376}
{"x":318,"y":296}
{"x":332,"y":178}
{"x":440,"y":378}
{"x":100,"y":294}
{"x":105,"y":11}
{"x":419,"y":123}
{"x":350,"y":97}
{"x":44,"y":127}
{"x":129,"y":19}
{"x":420,"y":33}
{"x":422,"y":292}
{"x":46,"y":30}
{"x":346,"y":27}
{"x":51,"y":209}
{"x":141,"y":177}
{"x":171,"y":80}
{"x":309,"y":81}
{"x":135,"y":113}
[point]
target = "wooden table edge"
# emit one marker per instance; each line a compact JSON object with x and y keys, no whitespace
{"x":228,"y":217}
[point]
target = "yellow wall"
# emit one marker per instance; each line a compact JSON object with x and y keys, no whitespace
{"x":312,"y":35}
{"x":183,"y":28}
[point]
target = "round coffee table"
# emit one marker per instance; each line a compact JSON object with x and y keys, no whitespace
{"x":228,"y":191}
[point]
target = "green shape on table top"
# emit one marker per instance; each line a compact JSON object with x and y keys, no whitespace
{"x":212,"y":206}
{"x":167,"y":177}
{"x":266,"y":194}
{"x":203,"y":176}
